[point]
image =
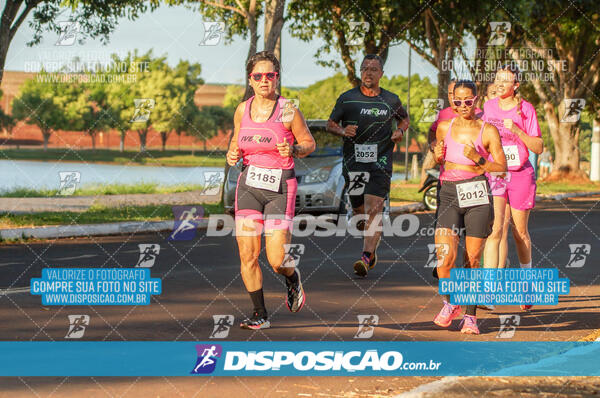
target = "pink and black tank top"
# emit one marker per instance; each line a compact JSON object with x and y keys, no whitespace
{"x":454,"y":152}
{"x":258,"y":141}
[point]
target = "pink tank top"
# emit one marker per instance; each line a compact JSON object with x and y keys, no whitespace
{"x":257,"y":141}
{"x":454,"y":152}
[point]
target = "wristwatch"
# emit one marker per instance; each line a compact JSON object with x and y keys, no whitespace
{"x":481,"y":161}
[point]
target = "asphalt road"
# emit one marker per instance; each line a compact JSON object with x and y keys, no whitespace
{"x":200,"y":278}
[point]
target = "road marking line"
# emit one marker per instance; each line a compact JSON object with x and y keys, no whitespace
{"x":14,"y":290}
{"x":74,"y":258}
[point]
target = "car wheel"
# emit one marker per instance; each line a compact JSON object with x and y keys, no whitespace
{"x":430,"y":197}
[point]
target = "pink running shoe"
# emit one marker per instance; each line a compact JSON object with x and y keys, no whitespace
{"x":526,"y":307}
{"x":469,"y":323}
{"x":447,"y":314}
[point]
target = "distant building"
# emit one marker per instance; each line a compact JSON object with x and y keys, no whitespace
{"x":208,"y":94}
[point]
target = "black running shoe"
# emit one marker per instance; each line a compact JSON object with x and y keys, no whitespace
{"x":295,"y":294}
{"x":256,"y":322}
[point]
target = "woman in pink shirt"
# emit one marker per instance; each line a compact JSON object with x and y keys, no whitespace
{"x":514,"y":192}
{"x":265,"y":128}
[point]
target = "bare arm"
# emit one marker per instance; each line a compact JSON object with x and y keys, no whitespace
{"x":233,"y":154}
{"x":534,"y":144}
{"x":493,"y":144}
{"x":306,"y":143}
{"x":440,"y":133}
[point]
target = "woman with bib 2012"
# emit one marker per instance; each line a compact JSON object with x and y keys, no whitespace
{"x":514,"y":192}
{"x":265,"y":128}
{"x":463,"y":147}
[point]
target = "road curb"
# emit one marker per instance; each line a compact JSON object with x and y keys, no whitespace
{"x":119,"y":228}
{"x":409,"y":208}
{"x":70,"y":231}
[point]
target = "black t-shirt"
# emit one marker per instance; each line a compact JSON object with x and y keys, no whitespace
{"x":375,"y":117}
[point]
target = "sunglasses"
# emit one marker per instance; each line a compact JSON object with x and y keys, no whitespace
{"x":467,"y":102}
{"x":259,"y":76}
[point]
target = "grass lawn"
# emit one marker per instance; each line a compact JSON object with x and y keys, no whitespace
{"x":148,"y":158}
{"x":407,"y":192}
{"x":96,"y":215}
{"x":548,"y":188}
{"x":109,"y":189}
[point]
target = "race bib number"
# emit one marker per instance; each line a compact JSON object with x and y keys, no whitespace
{"x":268,"y":179}
{"x":365,"y":153}
{"x":512,"y":155}
{"x":472,"y":194}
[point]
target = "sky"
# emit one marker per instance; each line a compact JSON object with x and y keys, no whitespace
{"x":176,"y":32}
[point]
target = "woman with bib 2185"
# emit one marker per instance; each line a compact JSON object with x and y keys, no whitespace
{"x":463,"y":147}
{"x":264,"y":135}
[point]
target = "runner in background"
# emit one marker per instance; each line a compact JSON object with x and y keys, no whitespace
{"x":365,"y":117}
{"x":265,"y":195}
{"x":514,"y":193}
{"x":463,"y":146}
{"x":545,"y":163}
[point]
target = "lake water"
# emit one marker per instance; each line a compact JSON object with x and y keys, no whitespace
{"x":45,"y":175}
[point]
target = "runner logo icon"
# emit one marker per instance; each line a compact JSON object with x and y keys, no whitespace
{"x":579,"y":253}
{"x":207,"y":358}
{"x":213,"y":31}
{"x":222,"y":325}
{"x":357,"y":33}
{"x":434,"y":249}
{"x":508,"y":326}
{"x":68,"y":33}
{"x":573,"y":109}
{"x":366,"y":326}
{"x":431,"y":109}
{"x":148,"y":254}
{"x":292,"y":254}
{"x":143,"y":108}
{"x":358,"y":182}
{"x":68,"y":182}
{"x":213,"y":180}
{"x":499,"y":34}
{"x":77,"y":324}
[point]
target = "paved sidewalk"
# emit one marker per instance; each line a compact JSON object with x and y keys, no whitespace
{"x":82,"y":203}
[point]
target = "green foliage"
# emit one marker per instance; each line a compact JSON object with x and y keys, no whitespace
{"x":317,"y":100}
{"x":42,"y":102}
{"x":233,"y":96}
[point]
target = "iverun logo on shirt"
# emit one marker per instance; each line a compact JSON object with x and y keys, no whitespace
{"x":374,"y":112}
{"x":256,"y":138}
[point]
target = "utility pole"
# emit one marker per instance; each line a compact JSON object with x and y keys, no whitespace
{"x":406,"y":133}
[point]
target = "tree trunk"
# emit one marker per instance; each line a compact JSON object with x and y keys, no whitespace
{"x":122,"y":141}
{"x":9,"y":24}
{"x":337,"y":16}
{"x":143,"y":134}
{"x":93,"y":135}
{"x":595,"y":155}
{"x":46,"y":134}
{"x":273,"y":25}
{"x":252,"y":27}
{"x":163,"y":137}
{"x":204,"y":144}
{"x":443,"y":80}
{"x":566,"y":145}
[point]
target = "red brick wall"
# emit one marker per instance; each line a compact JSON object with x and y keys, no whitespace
{"x":205,"y":95}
